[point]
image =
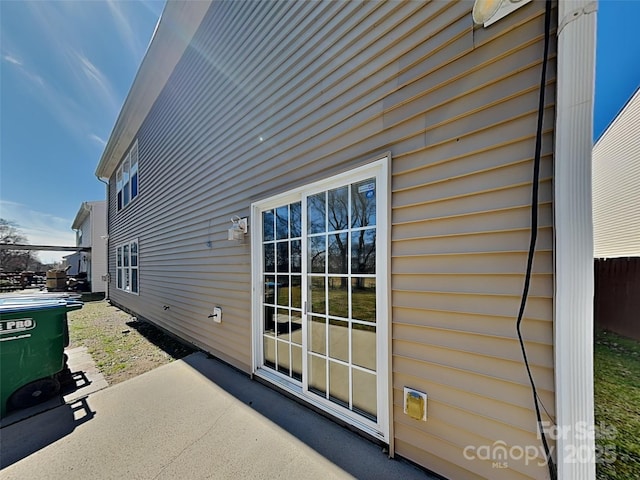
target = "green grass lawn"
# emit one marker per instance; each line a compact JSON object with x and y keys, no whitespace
{"x":617,"y":406}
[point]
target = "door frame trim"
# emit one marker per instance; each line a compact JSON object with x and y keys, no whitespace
{"x":379,"y":168}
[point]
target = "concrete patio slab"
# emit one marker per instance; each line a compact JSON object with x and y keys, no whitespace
{"x":196,"y":418}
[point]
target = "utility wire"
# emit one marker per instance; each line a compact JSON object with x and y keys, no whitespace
{"x":534,"y":235}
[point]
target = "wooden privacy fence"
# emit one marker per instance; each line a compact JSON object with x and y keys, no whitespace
{"x":617,"y":295}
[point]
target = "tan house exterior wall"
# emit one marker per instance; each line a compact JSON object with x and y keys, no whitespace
{"x":270,"y":96}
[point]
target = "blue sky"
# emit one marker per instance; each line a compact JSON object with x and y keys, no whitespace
{"x":617,"y":59}
{"x":67,"y":66}
{"x":66,"y":69}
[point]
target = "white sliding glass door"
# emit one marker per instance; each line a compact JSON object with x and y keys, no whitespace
{"x":320,"y":294}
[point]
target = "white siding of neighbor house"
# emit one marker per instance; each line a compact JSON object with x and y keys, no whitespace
{"x":86,"y":230}
{"x":91,"y":224}
{"x":272,"y":96}
{"x":98,"y":217}
{"x":616,"y":185}
{"x":74,"y":261}
{"x":86,"y":258}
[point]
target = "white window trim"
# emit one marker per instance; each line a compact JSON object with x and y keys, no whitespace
{"x":380,"y":169}
{"x":120,"y":172}
{"x":123,"y":268}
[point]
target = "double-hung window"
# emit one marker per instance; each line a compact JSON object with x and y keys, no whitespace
{"x":127,"y":177}
{"x":127,"y":267}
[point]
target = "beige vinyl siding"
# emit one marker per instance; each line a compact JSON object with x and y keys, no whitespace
{"x":273,"y":96}
{"x":460,"y":234}
{"x":616,"y":185}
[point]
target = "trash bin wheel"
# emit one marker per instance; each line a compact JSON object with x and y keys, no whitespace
{"x":65,"y":377}
{"x":34,"y":393}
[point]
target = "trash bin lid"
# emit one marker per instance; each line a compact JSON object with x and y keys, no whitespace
{"x":18,"y":304}
{"x":41,"y":295}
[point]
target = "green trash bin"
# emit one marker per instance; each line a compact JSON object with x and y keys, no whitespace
{"x":33,"y":335}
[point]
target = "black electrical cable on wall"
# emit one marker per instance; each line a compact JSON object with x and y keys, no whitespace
{"x":534,"y":235}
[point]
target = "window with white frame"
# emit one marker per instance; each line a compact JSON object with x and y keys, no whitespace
{"x":127,"y":177}
{"x":127,"y":267}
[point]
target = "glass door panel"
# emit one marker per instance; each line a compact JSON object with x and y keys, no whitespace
{"x":282,"y":287}
{"x":341,"y":279}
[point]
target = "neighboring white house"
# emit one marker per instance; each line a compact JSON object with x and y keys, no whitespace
{"x":90,"y":225}
{"x":616,"y":185}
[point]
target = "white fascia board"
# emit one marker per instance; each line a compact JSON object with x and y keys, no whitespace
{"x":177,"y":25}
{"x":84,"y":210}
{"x":573,"y":309}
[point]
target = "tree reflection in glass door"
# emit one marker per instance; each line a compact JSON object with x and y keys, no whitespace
{"x":341,"y":308}
{"x":282,"y":301}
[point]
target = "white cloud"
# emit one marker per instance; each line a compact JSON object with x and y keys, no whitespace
{"x":86,"y":88}
{"x":99,"y":82}
{"x":124,"y":28}
{"x":99,"y":140}
{"x":40,"y":228}
{"x":61,"y":106}
{"x":19,"y":64}
{"x":11,"y":59}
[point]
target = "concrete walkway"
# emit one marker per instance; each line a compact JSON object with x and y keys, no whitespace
{"x":195,"y":418}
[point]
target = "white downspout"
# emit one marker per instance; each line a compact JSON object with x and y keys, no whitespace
{"x":106,"y":237}
{"x":574,"y":240}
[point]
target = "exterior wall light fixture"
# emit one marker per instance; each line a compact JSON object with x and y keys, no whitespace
{"x":487,"y":12}
{"x":238,"y":228}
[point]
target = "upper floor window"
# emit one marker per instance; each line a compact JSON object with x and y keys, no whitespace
{"x":127,"y":177}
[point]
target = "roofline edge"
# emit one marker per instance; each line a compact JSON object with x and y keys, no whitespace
{"x":176,"y":27}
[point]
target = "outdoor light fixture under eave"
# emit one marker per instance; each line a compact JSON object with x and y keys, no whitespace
{"x":487,"y":12}
{"x":238,"y":228}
